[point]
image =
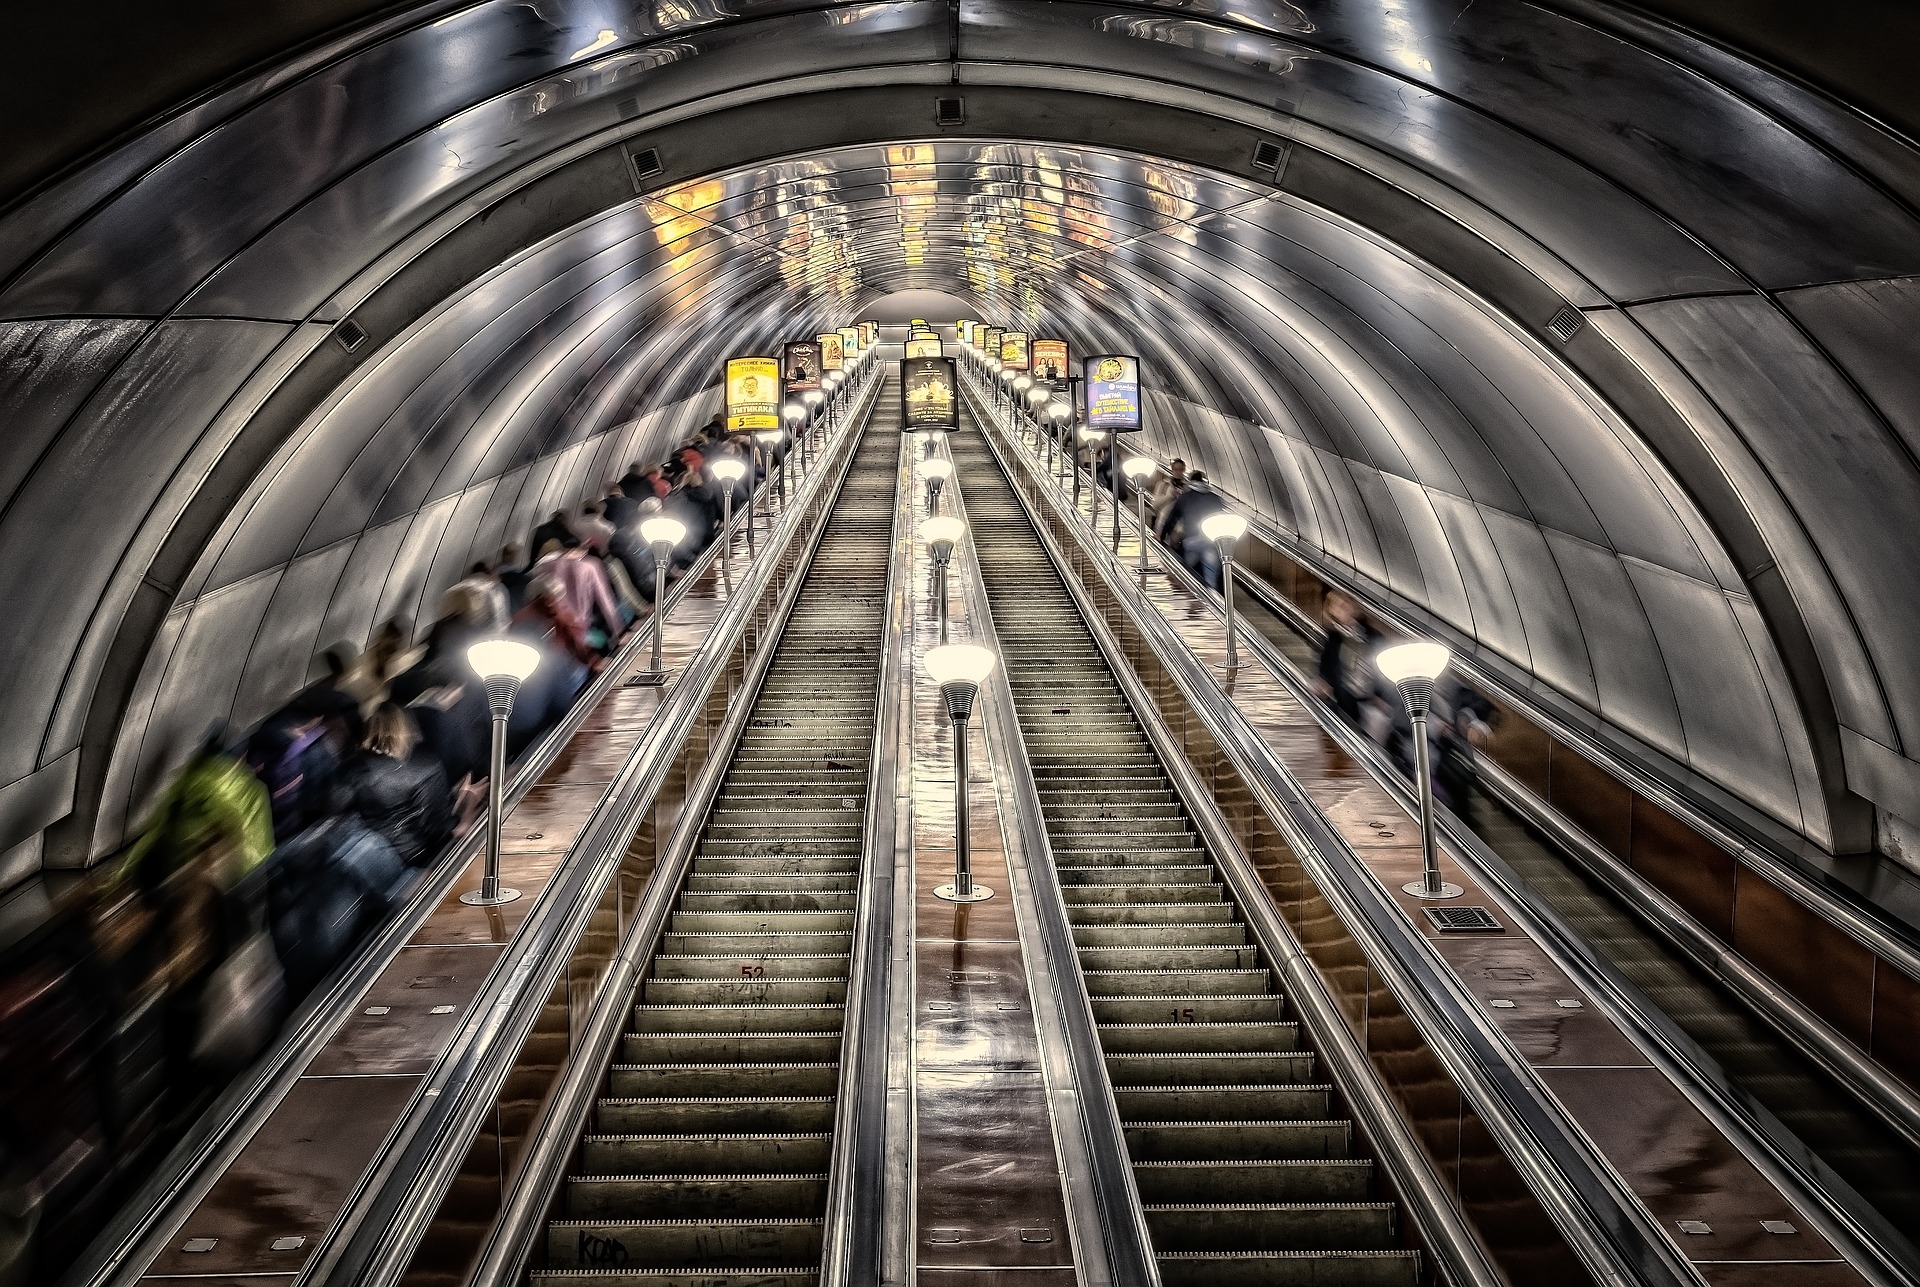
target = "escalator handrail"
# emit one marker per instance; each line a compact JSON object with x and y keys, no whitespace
{"x":381,"y":1224}
{"x":119,"y":1254}
{"x":1603,"y":1222}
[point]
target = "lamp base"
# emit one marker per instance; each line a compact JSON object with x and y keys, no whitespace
{"x":646,"y":679}
{"x":1418,"y":888}
{"x":474,"y":898}
{"x":979,"y":895}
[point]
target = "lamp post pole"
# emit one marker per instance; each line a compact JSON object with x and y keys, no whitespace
{"x":941,"y":534}
{"x":1137,"y":469}
{"x":937,"y":472}
{"x":959,"y":670}
{"x":1414,"y":667}
{"x":661,"y":535}
{"x":729,"y":472}
{"x":502,"y":664}
{"x":1223,"y":529}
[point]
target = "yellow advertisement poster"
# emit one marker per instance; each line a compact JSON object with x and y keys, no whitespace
{"x":753,"y":394}
{"x":830,"y":355}
{"x":1013,"y":350}
{"x":923,"y":344}
{"x":849,"y":341}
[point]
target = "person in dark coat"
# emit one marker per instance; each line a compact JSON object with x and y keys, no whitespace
{"x":1346,"y":652}
{"x":1194,"y":506}
{"x":556,"y":528}
{"x":326,"y":888}
{"x":400,"y":794}
{"x":512,"y":571}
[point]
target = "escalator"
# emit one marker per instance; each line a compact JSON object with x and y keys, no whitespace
{"x":706,"y":1158}
{"x":1246,"y":1169}
{"x":1843,"y":1133}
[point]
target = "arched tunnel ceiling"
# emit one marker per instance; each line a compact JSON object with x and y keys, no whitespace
{"x":1677,"y":527}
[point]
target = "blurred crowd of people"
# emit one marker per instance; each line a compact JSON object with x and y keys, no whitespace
{"x":1459,"y":719}
{"x":276,"y":850}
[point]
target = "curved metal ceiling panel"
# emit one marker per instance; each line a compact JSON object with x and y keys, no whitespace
{"x":1341,"y":339}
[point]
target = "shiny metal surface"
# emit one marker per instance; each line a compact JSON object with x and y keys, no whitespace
{"x":1350,"y":339}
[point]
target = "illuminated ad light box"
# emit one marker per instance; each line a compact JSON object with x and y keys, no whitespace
{"x":831,"y":358}
{"x":800,"y":366}
{"x":1050,"y":360}
{"x":1013,"y":350}
{"x":869,"y":334}
{"x":1113,"y":393}
{"x":849,"y":342}
{"x":991,"y":342}
{"x":753,"y":394}
{"x":966,"y":333}
{"x":925,"y":344}
{"x":927,"y":394}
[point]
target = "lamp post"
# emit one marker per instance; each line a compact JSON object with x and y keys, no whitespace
{"x":1090,"y":439}
{"x":960,"y":669}
{"x":1223,"y":529}
{"x":941,"y":533}
{"x":1138,"y":469}
{"x":661,"y":534}
{"x":1414,"y":667}
{"x":501,"y":664}
{"x":1060,"y":413}
{"x":729,"y":470}
{"x":935,"y":440}
{"x":1037,"y":396}
{"x":833,"y":380}
{"x":1022,"y":382}
{"x":768,"y":440}
{"x":813,"y":398}
{"x":1007,"y":376}
{"x":795,"y":413}
{"x":937,"y":472}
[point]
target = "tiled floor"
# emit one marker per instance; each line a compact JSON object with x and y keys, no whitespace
{"x":289,"y":1181}
{"x":1672,"y":1157}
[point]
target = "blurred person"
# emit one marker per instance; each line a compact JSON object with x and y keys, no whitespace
{"x":620,"y":508}
{"x":496,"y":605}
{"x":1167,"y":487}
{"x":390,"y":655}
{"x":1345,"y":675}
{"x":634,"y":483}
{"x":590,"y":595}
{"x":511,"y":571}
{"x":549,"y":620}
{"x":327,"y":888}
{"x":556,"y":528}
{"x":1182,"y":521}
{"x":594,"y":531}
{"x":397,"y":792}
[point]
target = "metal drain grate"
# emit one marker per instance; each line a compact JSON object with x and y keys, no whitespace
{"x":1452,"y":920}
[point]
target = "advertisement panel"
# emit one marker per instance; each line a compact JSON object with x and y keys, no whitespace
{"x":1113,"y":393}
{"x":1013,"y":350}
{"x":849,"y":342}
{"x":990,"y":342}
{"x":830,"y":355}
{"x":928,"y":393}
{"x":869,"y":335}
{"x":924,"y":344}
{"x":966,"y":333}
{"x":800,"y":366}
{"x":753,"y":394}
{"x":1050,"y":360}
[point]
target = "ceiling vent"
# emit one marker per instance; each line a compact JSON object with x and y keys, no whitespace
{"x":950,"y":111}
{"x":645,"y":163}
{"x":349,"y":334}
{"x":1267,"y":155}
{"x":1566,"y":323}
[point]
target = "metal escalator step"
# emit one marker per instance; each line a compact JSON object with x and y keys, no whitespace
{"x":773,"y":1017}
{"x":1167,"y":913}
{"x":745,"y":1276}
{"x":1272,"y":1226}
{"x":1171,"y":1141}
{"x":1211,"y":1103}
{"x":1213,"y":1068}
{"x":1231,"y":1009}
{"x":1178,"y":983}
{"x":724,"y":1046}
{"x":1225,"y":933}
{"x":797,"y":900}
{"x":1289,"y":1269}
{"x":777,"y":864}
{"x":1128,"y":875}
{"x":1197,"y":956}
{"x":745,"y":991}
{"x":1329,"y":1179}
{"x":580,"y":1244}
{"x":761,"y":922}
{"x":734,"y":882}
{"x":738,"y":965}
{"x":686,"y":1079}
{"x":762,"y":1153}
{"x":696,"y":943}
{"x":694,"y":1197}
{"x":785,"y":1114}
{"x":1140,"y":892}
